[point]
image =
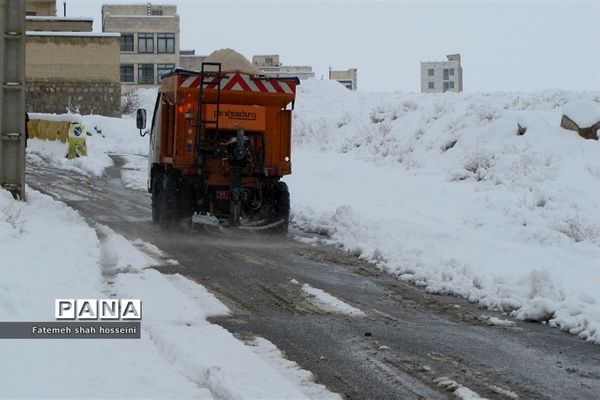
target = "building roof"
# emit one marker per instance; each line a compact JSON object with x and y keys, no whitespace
{"x":51,"y":18}
{"x":76,"y":34}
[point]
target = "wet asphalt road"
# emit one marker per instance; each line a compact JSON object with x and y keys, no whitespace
{"x":407,"y":340}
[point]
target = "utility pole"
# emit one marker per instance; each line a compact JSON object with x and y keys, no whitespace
{"x":12,"y":97}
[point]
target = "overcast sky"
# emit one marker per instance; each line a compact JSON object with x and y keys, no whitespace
{"x":505,"y":45}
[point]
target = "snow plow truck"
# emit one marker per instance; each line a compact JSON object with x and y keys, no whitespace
{"x":220,"y":142}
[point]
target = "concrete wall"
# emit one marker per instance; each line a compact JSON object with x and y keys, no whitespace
{"x":101,"y":98}
{"x":138,"y":9}
{"x":76,"y":72}
{"x":41,"y":7}
{"x":58,"y":24}
{"x":260,"y":61}
{"x":191,"y":62}
{"x":72,"y":58}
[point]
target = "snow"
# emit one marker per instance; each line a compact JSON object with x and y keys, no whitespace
{"x":329,"y":303}
{"x":584,"y":113}
{"x":50,"y":252}
{"x":302,"y":378}
{"x":115,"y":135}
{"x":76,"y":118}
{"x":105,"y":136}
{"x":459,"y":391}
{"x":55,"y":153}
{"x":134,"y":173}
{"x":120,"y":255}
{"x":499,"y":321}
{"x":440,"y":191}
{"x":35,"y":240}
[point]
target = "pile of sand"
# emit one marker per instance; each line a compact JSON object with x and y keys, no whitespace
{"x":231,"y":61}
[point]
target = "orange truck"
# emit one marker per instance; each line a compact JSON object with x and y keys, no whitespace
{"x":220,"y":142}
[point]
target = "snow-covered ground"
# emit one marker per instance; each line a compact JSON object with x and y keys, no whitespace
{"x":440,"y":191}
{"x":327,"y":302}
{"x":49,"y":251}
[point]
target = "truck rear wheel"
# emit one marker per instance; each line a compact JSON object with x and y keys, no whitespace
{"x":168,"y":199}
{"x":281,"y":208}
{"x":156,"y":189}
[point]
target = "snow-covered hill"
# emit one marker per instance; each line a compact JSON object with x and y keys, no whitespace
{"x":441,"y":191}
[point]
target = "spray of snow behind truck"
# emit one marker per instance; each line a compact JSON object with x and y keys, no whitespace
{"x":220,"y":142}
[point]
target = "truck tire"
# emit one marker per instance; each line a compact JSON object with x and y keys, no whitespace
{"x":156,"y":189}
{"x":282,"y":208}
{"x":169,"y":199}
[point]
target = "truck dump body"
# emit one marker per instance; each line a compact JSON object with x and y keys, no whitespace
{"x":258,"y":105}
{"x":220,"y":143}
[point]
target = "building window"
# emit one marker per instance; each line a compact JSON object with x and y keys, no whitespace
{"x":31,"y":13}
{"x":146,"y":73}
{"x":162,"y":69}
{"x":126,"y":43}
{"x":430,"y":72}
{"x":448,"y":85}
{"x":430,"y":85}
{"x":127,"y":73}
{"x":145,"y":42}
{"x":165,"y":43}
{"x":451,"y":71}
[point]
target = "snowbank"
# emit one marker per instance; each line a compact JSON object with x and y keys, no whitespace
{"x":584,"y":113}
{"x":440,"y":191}
{"x":49,"y":252}
{"x":36,"y":240}
{"x":105,"y":136}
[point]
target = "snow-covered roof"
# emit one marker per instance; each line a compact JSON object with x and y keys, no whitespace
{"x":79,"y":34}
{"x":55,"y":117}
{"x":141,"y":16}
{"x":50,"y":18}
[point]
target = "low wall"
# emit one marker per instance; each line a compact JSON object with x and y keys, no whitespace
{"x":101,"y":98}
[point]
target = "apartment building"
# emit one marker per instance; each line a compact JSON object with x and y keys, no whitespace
{"x":442,"y":76}
{"x":270,"y":66}
{"x":348,"y":78}
{"x":149,"y":40}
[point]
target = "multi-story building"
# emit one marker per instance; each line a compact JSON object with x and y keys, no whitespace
{"x":149,"y":40}
{"x":442,"y":76}
{"x":270,"y":66}
{"x":346,"y":78}
{"x":69,"y":67}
